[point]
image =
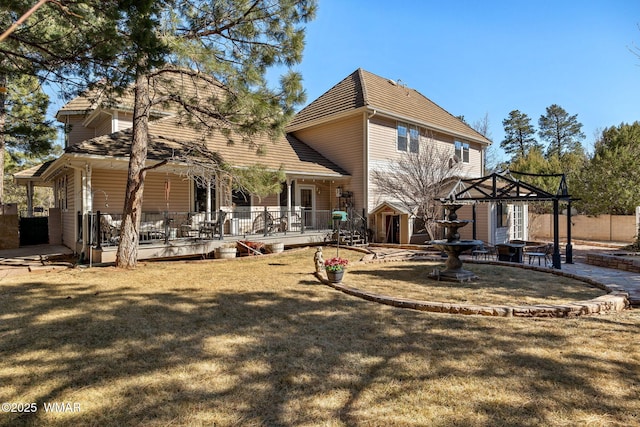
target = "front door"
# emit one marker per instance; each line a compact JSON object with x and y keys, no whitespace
{"x":392,"y":227}
{"x":308,"y":204}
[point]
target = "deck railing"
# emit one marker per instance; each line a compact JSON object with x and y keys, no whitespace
{"x":163,"y":227}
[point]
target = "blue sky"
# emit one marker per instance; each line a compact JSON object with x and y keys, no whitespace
{"x":477,"y":57}
{"x":486,"y":57}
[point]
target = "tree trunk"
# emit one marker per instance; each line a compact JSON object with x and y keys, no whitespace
{"x":127,"y":255}
{"x":3,"y":120}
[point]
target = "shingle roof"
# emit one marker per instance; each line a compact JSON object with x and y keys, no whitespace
{"x":365,"y":89}
{"x":167,"y":138}
{"x":33,"y":172}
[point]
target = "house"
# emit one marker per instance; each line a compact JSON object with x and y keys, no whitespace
{"x":328,"y":154}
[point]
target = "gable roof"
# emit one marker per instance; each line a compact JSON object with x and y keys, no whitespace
{"x":33,"y":173}
{"x":364,"y":89}
{"x":169,"y":138}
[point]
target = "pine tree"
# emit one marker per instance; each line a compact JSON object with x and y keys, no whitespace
{"x":519,"y":135}
{"x":608,"y":183}
{"x":560,"y":130}
{"x":135,"y":43}
{"x":24,"y":132}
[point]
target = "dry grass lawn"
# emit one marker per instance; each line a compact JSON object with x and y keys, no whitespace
{"x":496,"y":285}
{"x":259,"y":342}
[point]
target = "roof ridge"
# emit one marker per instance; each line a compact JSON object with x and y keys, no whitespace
{"x":363,"y":86}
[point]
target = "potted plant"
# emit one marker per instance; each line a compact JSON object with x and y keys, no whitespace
{"x":335,"y":268}
{"x":226,"y":251}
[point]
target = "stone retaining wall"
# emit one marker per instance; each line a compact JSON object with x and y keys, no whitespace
{"x":617,"y":262}
{"x":615,"y":301}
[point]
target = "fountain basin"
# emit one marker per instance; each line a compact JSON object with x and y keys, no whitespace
{"x":454,"y":270}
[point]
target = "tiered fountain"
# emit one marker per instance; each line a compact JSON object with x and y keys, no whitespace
{"x":453,"y":246}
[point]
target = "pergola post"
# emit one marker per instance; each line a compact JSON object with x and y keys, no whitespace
{"x":473,"y":216}
{"x":557,"y":260}
{"x":569,"y":249}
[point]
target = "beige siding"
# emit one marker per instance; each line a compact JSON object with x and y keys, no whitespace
{"x":382,"y":139}
{"x":105,"y":127}
{"x":154,"y":193}
{"x":474,"y":168}
{"x":325,"y":197}
{"x":69,"y":214}
{"x":269,"y":201}
{"x":483,"y":215}
{"x":113,"y":183}
{"x":342,"y":142}
{"x":79,"y":133}
{"x":125,"y":121}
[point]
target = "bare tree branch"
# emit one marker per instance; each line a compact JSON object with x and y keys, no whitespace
{"x":417,"y":180}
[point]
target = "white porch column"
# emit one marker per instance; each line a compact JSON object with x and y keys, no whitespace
{"x":87,"y":206}
{"x":289,"y":203}
{"x":208,"y":199}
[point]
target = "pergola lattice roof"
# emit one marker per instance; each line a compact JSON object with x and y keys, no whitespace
{"x":503,"y":186}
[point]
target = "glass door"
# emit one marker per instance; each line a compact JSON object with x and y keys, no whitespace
{"x":307,"y":204}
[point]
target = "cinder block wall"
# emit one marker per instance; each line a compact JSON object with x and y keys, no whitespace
{"x":612,"y":228}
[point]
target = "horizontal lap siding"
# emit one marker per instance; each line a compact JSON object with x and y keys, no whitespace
{"x":483,"y":213}
{"x":382,"y":151}
{"x":382,"y":139}
{"x":154,"y":193}
{"x":114,"y":183}
{"x":79,"y":133}
{"x":341,"y":141}
{"x":125,"y":121}
{"x":105,"y":127}
{"x":69,"y":214}
{"x":111,"y":182}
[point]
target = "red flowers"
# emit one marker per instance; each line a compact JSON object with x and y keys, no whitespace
{"x":336,"y":264}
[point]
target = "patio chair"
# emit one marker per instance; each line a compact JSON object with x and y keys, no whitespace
{"x":109,"y":228}
{"x":263,"y":224}
{"x":545,"y":252}
{"x":480,"y":251}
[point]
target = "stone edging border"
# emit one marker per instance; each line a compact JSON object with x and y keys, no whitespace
{"x":614,"y":261}
{"x":615,"y":301}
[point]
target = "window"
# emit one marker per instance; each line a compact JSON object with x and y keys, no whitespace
{"x":408,"y":137}
{"x":462,"y":151}
{"x":414,"y":139}
{"x":502,"y":211}
{"x":402,"y":137}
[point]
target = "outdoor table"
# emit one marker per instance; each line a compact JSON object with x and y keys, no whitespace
{"x":516,"y":248}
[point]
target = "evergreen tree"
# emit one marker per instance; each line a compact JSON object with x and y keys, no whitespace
{"x":25,"y":132}
{"x":519,"y":135}
{"x":609,"y":182}
{"x":560,"y":130}
{"x":136,"y":43}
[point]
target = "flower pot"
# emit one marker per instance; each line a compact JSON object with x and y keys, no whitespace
{"x":335,"y":276}
{"x":225,"y":253}
{"x":275,"y":248}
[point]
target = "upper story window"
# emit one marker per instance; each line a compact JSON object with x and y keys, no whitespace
{"x":408,"y":137}
{"x":462,"y":151}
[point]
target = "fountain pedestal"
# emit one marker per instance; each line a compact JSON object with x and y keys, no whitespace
{"x":453,"y":247}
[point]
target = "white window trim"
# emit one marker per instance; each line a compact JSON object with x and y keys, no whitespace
{"x":461,"y":148}
{"x":408,"y":146}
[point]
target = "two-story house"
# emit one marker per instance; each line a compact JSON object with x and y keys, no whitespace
{"x":328,"y":154}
